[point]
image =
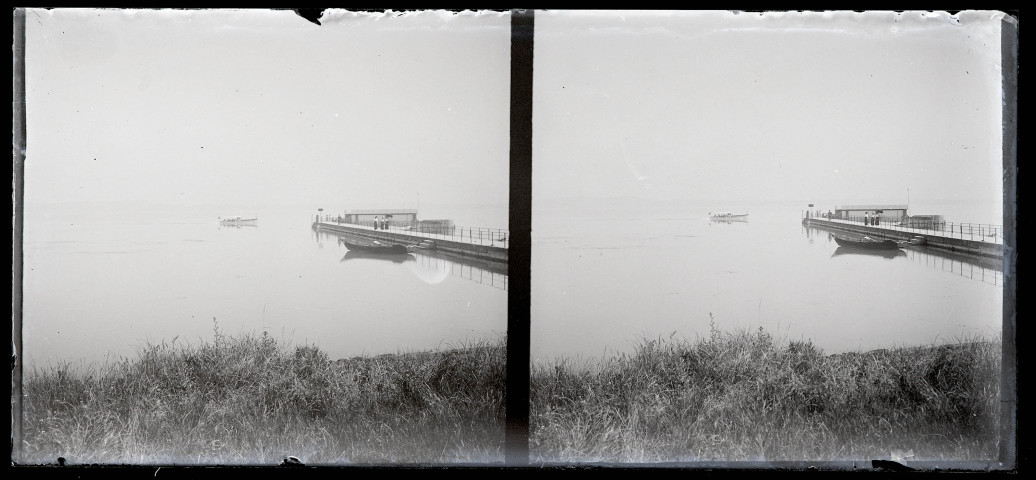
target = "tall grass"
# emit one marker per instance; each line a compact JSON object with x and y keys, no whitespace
{"x":744,"y":397}
{"x":727,"y":397}
{"x":252,"y":400}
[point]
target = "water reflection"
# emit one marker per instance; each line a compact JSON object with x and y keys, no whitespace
{"x":985,"y":269}
{"x":976,"y":267}
{"x":392,"y":257}
{"x":436,"y":267}
{"x":430,"y":266}
{"x":237,"y":225}
{"x":728,"y":220}
{"x":431,"y":270}
{"x":887,"y":254}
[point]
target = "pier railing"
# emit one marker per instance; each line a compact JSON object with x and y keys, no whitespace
{"x":980,"y":232}
{"x":495,"y":237}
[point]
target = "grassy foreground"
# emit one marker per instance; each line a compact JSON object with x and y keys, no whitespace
{"x":249,"y":400}
{"x":744,"y":397}
{"x":728,"y":397}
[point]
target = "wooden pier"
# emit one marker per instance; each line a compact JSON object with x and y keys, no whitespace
{"x":932,"y":239}
{"x":467,"y":249}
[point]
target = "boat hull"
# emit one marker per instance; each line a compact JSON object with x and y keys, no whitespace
{"x":867,"y":244}
{"x":395,"y":249}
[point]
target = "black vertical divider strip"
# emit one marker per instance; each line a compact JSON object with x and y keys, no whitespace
{"x":1008,"y":448}
{"x":516,"y":443}
{"x":18,"y":139}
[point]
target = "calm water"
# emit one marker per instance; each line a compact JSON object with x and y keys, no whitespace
{"x":101,"y":282}
{"x":603,"y":282}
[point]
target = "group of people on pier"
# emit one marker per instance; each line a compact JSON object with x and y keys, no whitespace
{"x":868,"y":217}
{"x":381,"y":223}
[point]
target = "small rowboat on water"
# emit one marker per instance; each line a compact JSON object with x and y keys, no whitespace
{"x":237,"y":221}
{"x":375,"y":247}
{"x":868,"y":243}
{"x":727,"y":215}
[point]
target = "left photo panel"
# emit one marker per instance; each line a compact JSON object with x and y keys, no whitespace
{"x":249,"y":238}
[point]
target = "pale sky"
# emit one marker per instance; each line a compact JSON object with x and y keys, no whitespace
{"x":780,"y":107}
{"x":385,"y":110}
{"x":264,"y":107}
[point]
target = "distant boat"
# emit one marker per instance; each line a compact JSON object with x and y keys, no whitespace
{"x":376,"y":247}
{"x":238,"y":221}
{"x":727,"y":216}
{"x":867,"y":243}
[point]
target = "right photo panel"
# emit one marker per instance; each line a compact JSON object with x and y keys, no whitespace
{"x":767,"y":237}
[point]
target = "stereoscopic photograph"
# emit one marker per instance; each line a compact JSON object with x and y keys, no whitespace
{"x":755,"y":240}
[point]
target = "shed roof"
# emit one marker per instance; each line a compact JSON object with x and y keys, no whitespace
{"x":871,"y":207}
{"x":383,"y":211}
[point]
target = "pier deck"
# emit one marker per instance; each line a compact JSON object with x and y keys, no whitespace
{"x":482,"y":247}
{"x":971,"y":243}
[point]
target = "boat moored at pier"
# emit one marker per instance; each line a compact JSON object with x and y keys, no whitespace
{"x":376,"y":247}
{"x":867,"y":243}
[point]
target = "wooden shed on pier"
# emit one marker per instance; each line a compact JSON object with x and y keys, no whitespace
{"x":396,"y":217}
{"x":894,"y":213}
{"x":924,"y":221}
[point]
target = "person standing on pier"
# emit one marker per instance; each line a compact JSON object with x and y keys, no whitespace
{"x":375,"y":222}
